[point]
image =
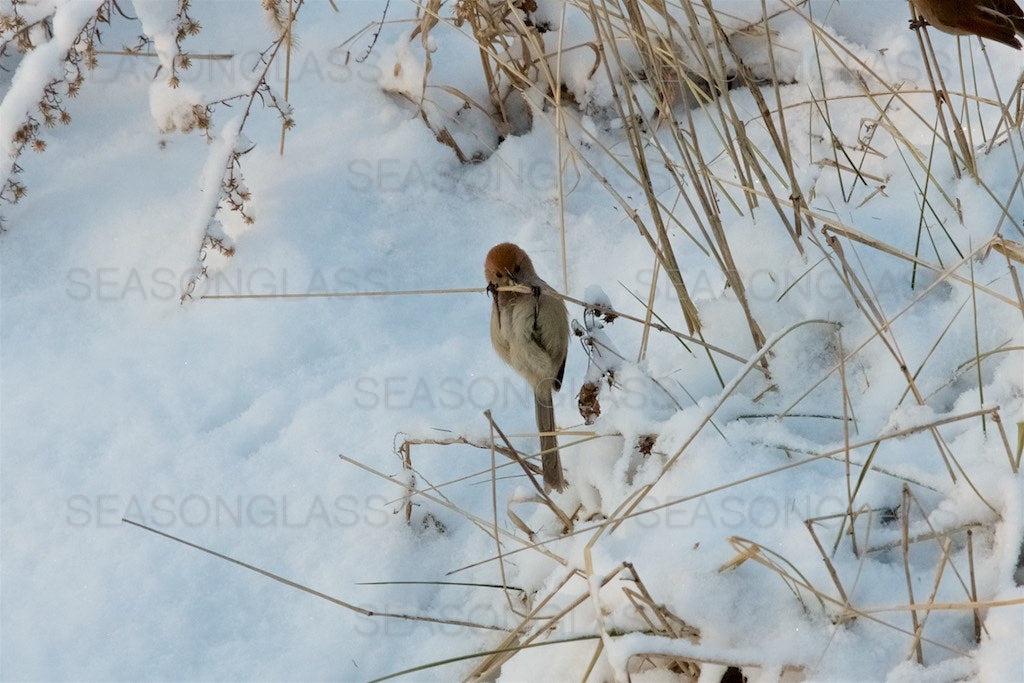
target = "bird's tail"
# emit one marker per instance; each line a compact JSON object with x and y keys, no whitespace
{"x":550,"y":460}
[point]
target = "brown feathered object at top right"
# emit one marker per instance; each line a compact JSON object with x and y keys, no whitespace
{"x":999,"y":20}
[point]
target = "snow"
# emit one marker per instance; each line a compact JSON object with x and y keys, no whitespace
{"x":158,"y":19}
{"x":34,"y":73}
{"x":221,"y":422}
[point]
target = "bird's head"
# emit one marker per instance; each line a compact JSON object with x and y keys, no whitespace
{"x":507,"y":264}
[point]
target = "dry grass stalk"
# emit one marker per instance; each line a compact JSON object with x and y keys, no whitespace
{"x":916,"y":644}
{"x":974,"y":585}
{"x":751,"y":155}
{"x":944,"y":539}
{"x":828,"y":562}
{"x":949,"y":606}
{"x":949,"y":273}
{"x":662,"y":56}
{"x":930,"y":535}
{"x":509,"y":48}
{"x":617,"y":518}
{"x":512,"y":604}
{"x":626,"y":106}
{"x":660,"y":621}
{"x":750,"y":550}
{"x":562,"y":517}
{"x":439,"y":499}
{"x":944,"y":104}
{"x":488,"y":445}
{"x":625,"y":510}
{"x":289,"y":42}
{"x":846,"y":402}
{"x":334,"y":295}
{"x":884,"y":333}
{"x":1014,"y":461}
{"x":905,"y":548}
{"x":131,"y":52}
{"x":306,"y":589}
{"x":866,"y":303}
{"x":1013,"y":251}
{"x":742,"y":667}
{"x":528,"y":631}
{"x":860,"y":71}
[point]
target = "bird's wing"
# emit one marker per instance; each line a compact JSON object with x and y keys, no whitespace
{"x":992,"y":25}
{"x":561,"y":373}
{"x":1012,"y":11}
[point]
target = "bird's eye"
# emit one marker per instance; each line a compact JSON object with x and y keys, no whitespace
{"x":516,"y":269}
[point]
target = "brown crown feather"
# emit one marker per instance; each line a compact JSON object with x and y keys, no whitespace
{"x":503,"y":258}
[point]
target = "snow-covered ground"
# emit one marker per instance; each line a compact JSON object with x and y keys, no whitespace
{"x":221,"y":422}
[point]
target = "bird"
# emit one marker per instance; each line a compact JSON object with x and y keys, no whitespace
{"x":999,"y":20}
{"x":530,"y":332}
